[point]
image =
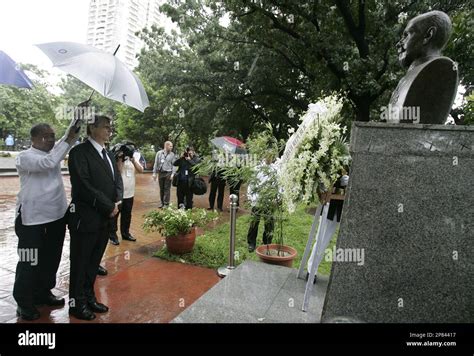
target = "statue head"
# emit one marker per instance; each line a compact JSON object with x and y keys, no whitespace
{"x":424,"y":36}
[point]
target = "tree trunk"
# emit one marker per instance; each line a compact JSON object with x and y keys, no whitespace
{"x":362,"y":108}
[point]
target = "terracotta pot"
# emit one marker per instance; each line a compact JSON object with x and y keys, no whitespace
{"x":181,"y":244}
{"x":287,"y":260}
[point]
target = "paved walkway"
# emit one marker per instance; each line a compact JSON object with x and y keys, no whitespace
{"x":139,"y":288}
{"x":257,"y":292}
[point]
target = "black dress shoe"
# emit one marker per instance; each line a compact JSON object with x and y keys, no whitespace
{"x":128,"y":237}
{"x":50,"y":299}
{"x":101,"y":271}
{"x":28,"y":313}
{"x":307,"y":276}
{"x":251,"y":248}
{"x":82,"y":312}
{"x":98,"y":307}
{"x":114,"y":239}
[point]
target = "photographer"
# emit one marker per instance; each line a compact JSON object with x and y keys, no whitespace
{"x":186,"y":176}
{"x":128,"y":164}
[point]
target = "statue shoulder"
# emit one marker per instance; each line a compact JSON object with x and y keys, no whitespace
{"x":433,"y":89}
{"x":438,"y":71}
{"x":440,"y":65}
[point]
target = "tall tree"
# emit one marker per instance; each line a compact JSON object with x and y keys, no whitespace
{"x":159,"y":123}
{"x":236,"y":65}
{"x":21,"y":108}
{"x":345,"y":46}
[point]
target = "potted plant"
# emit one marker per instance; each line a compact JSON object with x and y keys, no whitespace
{"x":261,"y":147}
{"x":261,"y":177}
{"x":266,"y":190}
{"x":178,"y":226}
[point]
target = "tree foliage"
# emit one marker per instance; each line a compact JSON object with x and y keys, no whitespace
{"x":271,"y":58}
{"x":21,"y":108}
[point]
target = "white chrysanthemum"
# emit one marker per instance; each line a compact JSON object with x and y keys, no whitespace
{"x":317,"y":162}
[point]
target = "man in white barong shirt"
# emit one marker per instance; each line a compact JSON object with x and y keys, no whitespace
{"x":40,"y":224}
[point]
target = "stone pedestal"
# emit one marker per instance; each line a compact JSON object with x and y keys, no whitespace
{"x":410,"y":207}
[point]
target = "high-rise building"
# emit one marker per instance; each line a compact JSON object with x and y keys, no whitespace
{"x":114,"y":22}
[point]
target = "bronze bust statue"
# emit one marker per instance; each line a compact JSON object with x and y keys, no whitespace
{"x":427,"y":91}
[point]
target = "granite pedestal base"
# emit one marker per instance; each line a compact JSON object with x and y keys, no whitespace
{"x":409,"y":212}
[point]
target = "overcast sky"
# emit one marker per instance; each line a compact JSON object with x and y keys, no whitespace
{"x":24,"y":23}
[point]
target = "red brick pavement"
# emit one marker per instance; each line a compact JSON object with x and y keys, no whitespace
{"x":139,"y":287}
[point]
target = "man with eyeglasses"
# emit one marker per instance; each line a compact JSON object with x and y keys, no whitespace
{"x":97,"y":191}
{"x":40,"y":224}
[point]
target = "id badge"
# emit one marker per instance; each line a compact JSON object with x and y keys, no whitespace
{"x":128,"y":173}
{"x":186,"y":172}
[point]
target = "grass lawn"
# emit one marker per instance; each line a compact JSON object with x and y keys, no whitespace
{"x":212,"y":248}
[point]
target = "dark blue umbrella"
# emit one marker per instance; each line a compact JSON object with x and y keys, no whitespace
{"x":12,"y":74}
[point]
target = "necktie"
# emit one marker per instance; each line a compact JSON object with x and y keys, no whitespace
{"x":104,"y":156}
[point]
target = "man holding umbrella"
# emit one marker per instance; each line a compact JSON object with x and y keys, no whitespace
{"x":96,"y":189}
{"x":40,"y":224}
{"x":97,"y":186}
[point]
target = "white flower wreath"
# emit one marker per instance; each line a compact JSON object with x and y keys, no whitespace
{"x":314,"y":154}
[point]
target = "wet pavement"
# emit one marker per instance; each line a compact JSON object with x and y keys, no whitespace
{"x":138,"y":289}
{"x":257,"y":292}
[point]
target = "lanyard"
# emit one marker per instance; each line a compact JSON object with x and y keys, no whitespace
{"x":162,"y":163}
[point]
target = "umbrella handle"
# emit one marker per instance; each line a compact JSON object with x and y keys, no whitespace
{"x":116,"y":50}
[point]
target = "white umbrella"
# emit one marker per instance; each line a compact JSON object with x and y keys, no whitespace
{"x":102,"y":71}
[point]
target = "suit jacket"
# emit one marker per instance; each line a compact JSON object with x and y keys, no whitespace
{"x":94,"y":190}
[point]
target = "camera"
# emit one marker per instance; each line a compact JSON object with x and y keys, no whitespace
{"x":123,"y":150}
{"x":186,"y":153}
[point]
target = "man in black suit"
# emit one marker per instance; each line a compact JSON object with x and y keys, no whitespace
{"x":96,"y":189}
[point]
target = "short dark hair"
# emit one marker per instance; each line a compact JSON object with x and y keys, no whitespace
{"x":39,"y":129}
{"x":97,"y":120}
